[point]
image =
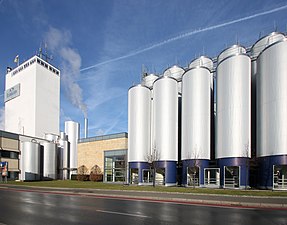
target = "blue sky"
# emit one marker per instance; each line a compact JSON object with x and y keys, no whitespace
{"x":101,"y":46}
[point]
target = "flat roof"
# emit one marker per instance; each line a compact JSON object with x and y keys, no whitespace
{"x":104,"y":137}
{"x":9,"y":135}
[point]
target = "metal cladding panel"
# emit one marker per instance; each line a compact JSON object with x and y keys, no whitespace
{"x":202,"y":61}
{"x":72,"y":129}
{"x":264,"y":42}
{"x":176,"y":72}
{"x":233,"y":116}
{"x":272,"y":100}
{"x":51,"y":137}
{"x":149,"y":79}
{"x":30,"y":160}
{"x":165,"y":100}
{"x":63,"y":136}
{"x":196,"y":114}
{"x":229,"y":52}
{"x":139,"y":123}
{"x":50,"y":160}
{"x":64,"y":159}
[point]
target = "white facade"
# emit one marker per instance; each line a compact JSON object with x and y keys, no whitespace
{"x":32,"y":99}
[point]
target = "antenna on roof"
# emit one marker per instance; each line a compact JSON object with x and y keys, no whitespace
{"x":275,"y":26}
{"x":176,"y":61}
{"x":259,"y":35}
{"x":44,"y":55}
{"x":144,"y":72}
{"x":236,"y":38}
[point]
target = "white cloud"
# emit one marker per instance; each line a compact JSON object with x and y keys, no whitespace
{"x":59,"y":42}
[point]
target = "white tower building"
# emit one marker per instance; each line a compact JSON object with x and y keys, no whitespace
{"x":32,"y":98}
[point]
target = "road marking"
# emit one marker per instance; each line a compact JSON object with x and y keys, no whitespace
{"x":123,"y":214}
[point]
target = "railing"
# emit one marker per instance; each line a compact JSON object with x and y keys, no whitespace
{"x":193,"y":181}
{"x":211,"y":181}
{"x":280,"y":183}
{"x":231,"y":182}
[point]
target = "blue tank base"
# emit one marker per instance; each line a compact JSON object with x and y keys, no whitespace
{"x":201,"y":163}
{"x":169,"y":171}
{"x":242,"y":163}
{"x":265,"y":172}
{"x":140,"y":166}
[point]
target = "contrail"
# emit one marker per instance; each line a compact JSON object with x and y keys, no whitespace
{"x":188,"y":34}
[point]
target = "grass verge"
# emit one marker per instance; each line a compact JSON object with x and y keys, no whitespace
{"x":112,"y":186}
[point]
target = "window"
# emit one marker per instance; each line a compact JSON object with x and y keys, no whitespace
{"x":115,"y":166}
{"x":14,"y":155}
{"x":8,"y":154}
{"x":5,"y":154}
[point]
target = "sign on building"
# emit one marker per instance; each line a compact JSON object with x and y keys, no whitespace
{"x":12,"y":92}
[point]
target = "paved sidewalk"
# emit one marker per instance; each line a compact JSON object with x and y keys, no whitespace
{"x":190,"y":198}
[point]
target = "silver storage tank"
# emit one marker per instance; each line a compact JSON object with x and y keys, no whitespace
{"x":30,"y":161}
{"x":233,"y":116}
{"x":139,"y":106}
{"x":165,"y":112}
{"x":196,"y":116}
{"x":272,"y":99}
{"x":148,"y":80}
{"x":196,"y":113}
{"x":256,"y":49}
{"x":72,"y":129}
{"x":202,"y":61}
{"x":233,"y":103}
{"x":52,"y":137}
{"x":50,"y":160}
{"x":139,"y":128}
{"x":176,"y":72}
{"x":63,"y":157}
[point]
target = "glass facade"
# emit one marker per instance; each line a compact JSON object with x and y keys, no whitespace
{"x":115,"y":168}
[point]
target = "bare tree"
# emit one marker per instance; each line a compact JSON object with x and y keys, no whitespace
{"x":82,"y":173}
{"x":152,"y":159}
{"x":96,"y":174}
{"x":193,"y":165}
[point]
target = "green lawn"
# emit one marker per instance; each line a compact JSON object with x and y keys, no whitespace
{"x":100,"y":185}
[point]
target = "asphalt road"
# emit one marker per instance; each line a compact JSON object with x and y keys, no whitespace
{"x":22,"y":207}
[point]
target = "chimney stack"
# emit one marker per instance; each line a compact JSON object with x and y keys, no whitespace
{"x":86,"y":128}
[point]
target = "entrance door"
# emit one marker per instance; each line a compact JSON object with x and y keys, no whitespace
{"x":280,"y":177}
{"x":134,"y":176}
{"x":193,"y":176}
{"x":147,"y":176}
{"x":160,"y":176}
{"x":212,"y":177}
{"x":231,"y":176}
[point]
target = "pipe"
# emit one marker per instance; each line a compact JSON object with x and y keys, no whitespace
{"x":86,"y":128}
